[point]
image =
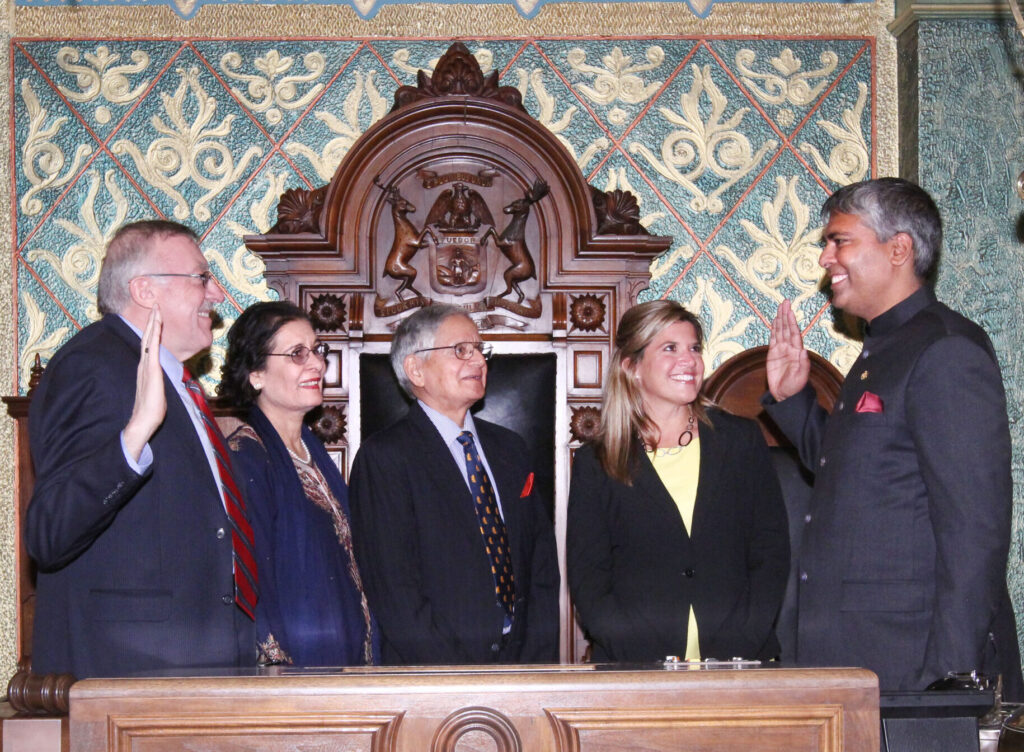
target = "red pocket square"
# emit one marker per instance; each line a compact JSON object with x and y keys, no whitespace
{"x":870,"y":402}
{"x":527,"y":487}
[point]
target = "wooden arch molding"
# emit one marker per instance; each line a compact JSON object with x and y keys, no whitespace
{"x":738,"y":384}
{"x":484,"y":720}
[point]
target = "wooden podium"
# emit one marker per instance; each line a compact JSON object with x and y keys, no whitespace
{"x":499,"y":709}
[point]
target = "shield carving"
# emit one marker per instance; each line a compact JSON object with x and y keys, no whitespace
{"x":459,"y":227}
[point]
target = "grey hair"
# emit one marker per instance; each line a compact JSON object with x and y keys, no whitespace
{"x":127,"y":255}
{"x":418,"y":332}
{"x":889,"y":206}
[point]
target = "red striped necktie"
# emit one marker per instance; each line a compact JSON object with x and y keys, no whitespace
{"x":246,"y":580}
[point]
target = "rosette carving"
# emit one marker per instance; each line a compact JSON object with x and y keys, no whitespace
{"x":618,"y":212}
{"x":299,"y":211}
{"x":587,"y":313}
{"x":585,"y":423}
{"x":329,"y":425}
{"x":327,"y":312}
{"x":457,"y":74}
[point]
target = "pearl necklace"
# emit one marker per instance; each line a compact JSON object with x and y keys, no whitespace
{"x":297,"y":457}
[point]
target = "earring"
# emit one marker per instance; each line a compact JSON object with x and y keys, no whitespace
{"x":257,"y":387}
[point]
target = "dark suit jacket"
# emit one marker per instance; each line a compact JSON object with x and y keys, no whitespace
{"x":903,"y":560}
{"x":634,"y":572}
{"x":134,"y":571}
{"x":418,"y":545}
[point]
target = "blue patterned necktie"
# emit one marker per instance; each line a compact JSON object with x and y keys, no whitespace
{"x":492,"y":527}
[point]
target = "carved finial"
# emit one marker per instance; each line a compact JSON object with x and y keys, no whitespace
{"x":299,"y":211}
{"x":35,"y":374}
{"x":457,"y":74}
{"x":618,"y":213}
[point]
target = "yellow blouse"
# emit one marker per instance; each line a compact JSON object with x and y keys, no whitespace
{"x":679,"y":471}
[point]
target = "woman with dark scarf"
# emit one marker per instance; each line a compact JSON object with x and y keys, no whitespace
{"x":312,"y":608}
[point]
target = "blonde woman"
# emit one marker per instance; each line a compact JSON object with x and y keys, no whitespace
{"x":677,"y":533}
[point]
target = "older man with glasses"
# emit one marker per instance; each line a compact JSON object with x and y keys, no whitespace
{"x":136,"y":524}
{"x":456,"y":548}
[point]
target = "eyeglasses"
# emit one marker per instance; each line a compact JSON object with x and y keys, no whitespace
{"x":204,"y":277}
{"x":465,"y":350}
{"x":301,"y":353}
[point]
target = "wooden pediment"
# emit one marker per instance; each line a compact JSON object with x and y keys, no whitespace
{"x":457,"y":195}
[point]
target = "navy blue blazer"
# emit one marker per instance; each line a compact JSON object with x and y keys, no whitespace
{"x":135,"y":571}
{"x":418,"y":545}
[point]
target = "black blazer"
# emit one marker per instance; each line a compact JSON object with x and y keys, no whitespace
{"x":634,"y":572}
{"x":903,"y":555}
{"x":134,"y":569}
{"x":418,"y":544}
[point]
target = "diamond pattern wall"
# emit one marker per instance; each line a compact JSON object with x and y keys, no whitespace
{"x":730,"y":143}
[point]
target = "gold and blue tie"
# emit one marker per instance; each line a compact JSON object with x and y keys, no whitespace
{"x":492,"y":527}
{"x":246,"y":582}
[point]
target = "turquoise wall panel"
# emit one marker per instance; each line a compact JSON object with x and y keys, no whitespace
{"x":730,"y":144}
{"x":970,"y":150}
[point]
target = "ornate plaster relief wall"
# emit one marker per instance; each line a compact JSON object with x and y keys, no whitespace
{"x":731,"y":129}
{"x":730,"y":144}
{"x":970,"y":137}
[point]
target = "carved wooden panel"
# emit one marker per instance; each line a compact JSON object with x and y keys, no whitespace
{"x":167,"y":732}
{"x":476,"y":728}
{"x":588,"y":369}
{"x":459,"y":195}
{"x":723,"y":728}
{"x":25,"y":581}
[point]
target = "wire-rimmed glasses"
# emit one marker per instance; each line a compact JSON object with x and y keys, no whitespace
{"x":465,"y":350}
{"x":301,"y":353}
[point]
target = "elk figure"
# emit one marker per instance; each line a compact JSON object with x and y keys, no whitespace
{"x":513,"y":240}
{"x":398,"y":264}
